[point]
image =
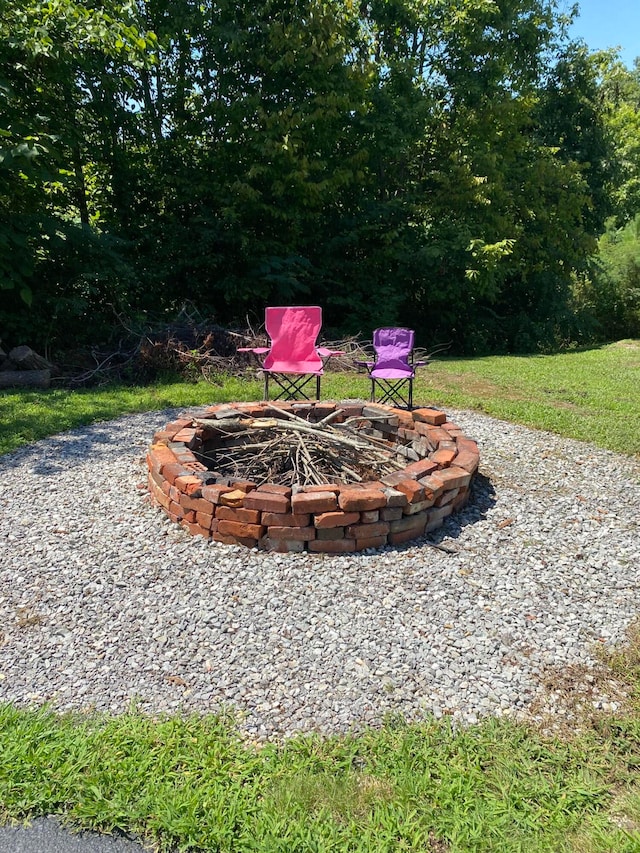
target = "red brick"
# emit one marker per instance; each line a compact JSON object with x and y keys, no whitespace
{"x":405,"y":419}
{"x":234,"y":497}
{"x":242,"y":485}
{"x":408,"y":435}
{"x":394,"y":497}
{"x":359,"y":500}
{"x":328,"y":533}
{"x":196,"y":504}
{"x":332,"y":546}
{"x":412,"y":489}
{"x":440,"y":513}
{"x":275,"y":489}
{"x":291,"y":533}
{"x":282,"y":546}
{"x":187,"y":436}
{"x":195,"y":529}
{"x":159,"y":456}
{"x":367,"y":531}
{"x":214,"y":492}
{"x":391,"y":513}
{"x":419,"y":506}
{"x":433,"y":486}
{"x":335,"y":519}
{"x":372,"y":542}
{"x":189,"y":485}
{"x":443,"y":457}
{"x":422,"y":468}
{"x":239,"y":529}
{"x":464,"y":443}
{"x":429,"y":416}
{"x":409,"y":522}
{"x":454,"y":478}
{"x":172,"y":471}
{"x":323,"y":487}
{"x":314,"y":502}
{"x":468,"y":460}
{"x":174,"y":427}
{"x":204,"y":520}
{"x":267,"y":502}
{"x":227,"y":539}
{"x":246,"y":516}
{"x":447,"y":497}
{"x":369,"y":516}
{"x":403,"y":536}
{"x":285,"y":519}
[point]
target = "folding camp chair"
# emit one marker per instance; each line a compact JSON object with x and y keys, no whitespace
{"x":393,"y":370}
{"x":293,"y":360}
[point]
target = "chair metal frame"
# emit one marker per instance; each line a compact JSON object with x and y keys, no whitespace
{"x":393,"y":371}
{"x":292,"y":361}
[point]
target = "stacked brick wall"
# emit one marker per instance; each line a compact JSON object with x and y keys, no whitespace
{"x":335,"y":518}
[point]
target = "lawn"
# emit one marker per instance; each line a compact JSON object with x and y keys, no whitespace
{"x":195,"y":784}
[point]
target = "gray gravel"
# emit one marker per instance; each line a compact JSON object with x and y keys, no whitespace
{"x":103,"y":601}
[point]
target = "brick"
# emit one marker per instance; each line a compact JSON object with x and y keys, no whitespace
{"x":468,"y":460}
{"x":434,"y":435}
{"x":227,"y":539}
{"x":214,"y":492}
{"x":419,"y":506}
{"x":275,"y":489}
{"x":324,"y":487}
{"x":196,"y":504}
{"x":407,"y":434}
{"x":314,"y":502}
{"x":241,"y":485}
{"x":394,"y":497}
{"x":369,"y":516}
{"x":329,"y":533}
{"x":282,"y":546}
{"x":464,"y":443}
{"x":405,"y":419}
{"x":291,"y":533}
{"x":174,"y":427}
{"x":440,"y":513}
{"x":204,"y":519}
{"x":195,"y":529}
{"x":367,"y":531}
{"x":267,"y":502}
{"x":443,"y":457}
{"x":159,"y":456}
{"x":189,"y":484}
{"x":403,"y":536}
{"x":360,"y":500}
{"x":187,"y":436}
{"x":239,"y":529}
{"x":372,"y":542}
{"x":233,"y":497}
{"x":412,"y":489}
{"x":409,"y":522}
{"x":433,"y":486}
{"x":285,"y":519}
{"x":390,"y":513}
{"x":174,"y":470}
{"x":328,"y":520}
{"x":245,"y":516}
{"x":454,"y":477}
{"x":422,"y":468}
{"x":447,"y":497}
{"x":429,"y":416}
{"x":335,"y":546}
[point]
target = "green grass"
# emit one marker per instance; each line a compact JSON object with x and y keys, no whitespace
{"x":592,"y":395}
{"x":193,"y":784}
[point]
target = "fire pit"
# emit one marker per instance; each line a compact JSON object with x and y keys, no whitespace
{"x":323,"y":476}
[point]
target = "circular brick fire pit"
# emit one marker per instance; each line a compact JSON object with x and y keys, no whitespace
{"x":434,"y":464}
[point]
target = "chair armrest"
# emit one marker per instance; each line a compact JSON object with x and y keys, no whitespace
{"x":323,"y":352}
{"x":256,"y":350}
{"x":420,"y":363}
{"x":367,"y":364}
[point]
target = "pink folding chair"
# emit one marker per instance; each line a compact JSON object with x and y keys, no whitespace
{"x":292,"y":360}
{"x":393,"y":370}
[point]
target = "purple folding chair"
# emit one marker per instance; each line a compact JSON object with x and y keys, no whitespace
{"x":393,"y":370}
{"x":292,"y":360}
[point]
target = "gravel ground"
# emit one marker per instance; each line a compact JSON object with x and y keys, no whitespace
{"x":103,"y":601}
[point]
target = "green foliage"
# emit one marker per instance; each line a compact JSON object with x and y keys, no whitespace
{"x":439,"y":164}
